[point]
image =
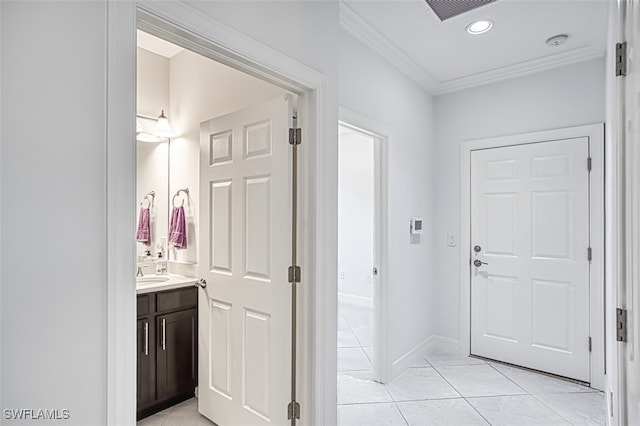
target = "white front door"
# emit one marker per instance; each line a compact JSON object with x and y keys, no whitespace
{"x":530,"y":231}
{"x":245,"y":250}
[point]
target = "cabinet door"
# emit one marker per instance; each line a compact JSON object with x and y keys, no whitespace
{"x":145,"y":364}
{"x":176,"y":353}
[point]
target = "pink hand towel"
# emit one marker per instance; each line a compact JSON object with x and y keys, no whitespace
{"x":178,"y":228}
{"x":144,"y":228}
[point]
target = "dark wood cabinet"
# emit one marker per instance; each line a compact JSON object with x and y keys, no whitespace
{"x":145,"y":364}
{"x":176,"y":357}
{"x":167,"y":360}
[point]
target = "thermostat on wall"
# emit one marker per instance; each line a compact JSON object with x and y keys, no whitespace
{"x":416,"y":225}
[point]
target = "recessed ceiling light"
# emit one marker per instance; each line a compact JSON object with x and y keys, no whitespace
{"x":479,"y":27}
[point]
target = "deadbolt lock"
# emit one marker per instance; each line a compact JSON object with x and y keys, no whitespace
{"x":477,"y":249}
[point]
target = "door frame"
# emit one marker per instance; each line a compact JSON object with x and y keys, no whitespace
{"x":382,"y":367}
{"x":595,"y":133}
{"x":178,"y":22}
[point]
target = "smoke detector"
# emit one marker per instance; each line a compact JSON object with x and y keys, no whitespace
{"x":557,"y":40}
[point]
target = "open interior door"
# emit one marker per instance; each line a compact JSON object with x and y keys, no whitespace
{"x":245,"y":248}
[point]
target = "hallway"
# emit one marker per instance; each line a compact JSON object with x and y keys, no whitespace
{"x":445,"y":389}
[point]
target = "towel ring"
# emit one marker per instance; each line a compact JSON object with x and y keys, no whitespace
{"x":173,"y":200}
{"x":151,"y":194}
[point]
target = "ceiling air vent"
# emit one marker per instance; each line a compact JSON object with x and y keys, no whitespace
{"x":446,"y":9}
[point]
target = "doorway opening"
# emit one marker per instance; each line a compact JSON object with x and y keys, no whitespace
{"x":361,"y":263}
{"x":228,"y":154}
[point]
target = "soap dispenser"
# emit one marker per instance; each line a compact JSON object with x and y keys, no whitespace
{"x":161,"y":264}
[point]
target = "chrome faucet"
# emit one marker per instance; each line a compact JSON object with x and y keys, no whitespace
{"x":139,"y":273}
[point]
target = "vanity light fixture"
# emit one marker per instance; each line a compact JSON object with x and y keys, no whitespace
{"x":479,"y":27}
{"x":147,"y":137}
{"x":162,"y":129}
{"x":143,"y":134}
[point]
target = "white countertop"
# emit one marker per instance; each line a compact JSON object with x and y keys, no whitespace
{"x":172,"y":281}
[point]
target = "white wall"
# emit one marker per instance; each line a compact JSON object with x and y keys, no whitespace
{"x":52,"y":193}
{"x":564,"y":97}
{"x":201,"y":89}
{"x":355,"y":215}
{"x":152,"y":84}
{"x":152,"y":160}
{"x":373,"y":88}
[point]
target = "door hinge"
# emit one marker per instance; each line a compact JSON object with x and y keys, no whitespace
{"x":295,"y":136}
{"x":590,"y":344}
{"x":621,"y":325}
{"x":293,"y":410}
{"x":589,"y":254}
{"x":589,"y":164}
{"x":294,"y":274}
{"x":621,"y":59}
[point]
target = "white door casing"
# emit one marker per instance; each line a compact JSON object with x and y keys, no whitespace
{"x":180,"y":23}
{"x":629,"y":289}
{"x":530,"y":216}
{"x":382,"y":368}
{"x":245,"y":235}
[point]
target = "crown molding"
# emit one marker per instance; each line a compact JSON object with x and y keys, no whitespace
{"x":371,"y":37}
{"x":367,"y":34}
{"x":546,"y":63}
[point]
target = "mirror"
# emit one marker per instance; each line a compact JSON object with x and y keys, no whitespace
{"x":153,"y":156}
{"x":152,"y":188}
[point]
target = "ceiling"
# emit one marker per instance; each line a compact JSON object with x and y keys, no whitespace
{"x":158,"y":46}
{"x":443,"y":57}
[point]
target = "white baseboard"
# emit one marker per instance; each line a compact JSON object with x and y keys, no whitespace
{"x":441,"y":343}
{"x":355,"y":300}
{"x":412,"y":357}
{"x":431,"y":343}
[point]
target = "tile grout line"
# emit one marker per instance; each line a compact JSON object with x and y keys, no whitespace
{"x":550,"y":408}
{"x":401,"y":413}
{"x":532,"y":395}
{"x":509,"y":378}
{"x":460,"y":393}
{"x":344,"y":318}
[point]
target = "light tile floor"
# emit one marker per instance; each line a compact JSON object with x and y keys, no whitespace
{"x":183,"y":414}
{"x":441,"y":389}
{"x":451,"y":390}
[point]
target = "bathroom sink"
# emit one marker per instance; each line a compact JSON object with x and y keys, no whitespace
{"x":151,"y":280}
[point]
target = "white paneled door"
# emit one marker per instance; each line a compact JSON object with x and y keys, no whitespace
{"x":529,"y":256}
{"x":245,"y":242}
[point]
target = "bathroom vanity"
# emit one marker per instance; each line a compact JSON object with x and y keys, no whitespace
{"x":167,"y":343}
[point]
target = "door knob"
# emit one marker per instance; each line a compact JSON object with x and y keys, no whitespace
{"x":202,"y":283}
{"x":478,"y":263}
